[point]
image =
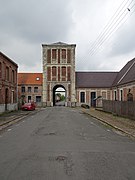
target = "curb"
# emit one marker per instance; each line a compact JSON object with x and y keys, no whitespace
{"x":10,"y":122}
{"x":113,"y":126}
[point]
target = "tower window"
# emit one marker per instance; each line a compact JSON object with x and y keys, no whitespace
{"x":63,"y":53}
{"x":53,"y":53}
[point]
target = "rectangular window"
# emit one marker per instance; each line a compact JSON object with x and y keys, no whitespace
{"x":115,"y":95}
{"x":82,"y":97}
{"x":104,"y":95}
{"x":7,"y":73}
{"x":0,"y":70}
{"x":121,"y":95}
{"x":63,"y":73}
{"x":23,"y":89}
{"x":48,"y":73}
{"x":38,"y":98}
{"x":54,"y":72}
{"x":53,"y":53}
{"x":58,"y":55}
{"x":29,"y":89}
{"x":13,"y":76}
{"x":29,"y":98}
{"x":35,"y":89}
{"x":63,"y":53}
{"x":12,"y":97}
{"x":49,"y":56}
{"x":68,"y":56}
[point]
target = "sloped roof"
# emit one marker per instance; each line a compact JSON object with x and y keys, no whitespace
{"x":126,"y":74}
{"x":11,"y":61}
{"x":59,"y":44}
{"x":95,"y":79}
{"x":30,"y":78}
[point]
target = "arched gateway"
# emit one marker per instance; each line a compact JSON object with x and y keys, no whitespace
{"x":58,"y":71}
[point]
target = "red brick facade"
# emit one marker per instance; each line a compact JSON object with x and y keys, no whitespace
{"x":30,"y":88}
{"x":8,"y":83}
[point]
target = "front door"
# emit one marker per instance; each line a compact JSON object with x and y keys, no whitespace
{"x":93,"y":96}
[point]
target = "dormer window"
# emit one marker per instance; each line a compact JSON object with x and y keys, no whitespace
{"x":37,"y":78}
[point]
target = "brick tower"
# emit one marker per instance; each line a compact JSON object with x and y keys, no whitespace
{"x":58,"y":71}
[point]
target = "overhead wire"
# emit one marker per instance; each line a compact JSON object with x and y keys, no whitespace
{"x":108,"y":36}
{"x":108,"y":24}
{"x":112,"y":27}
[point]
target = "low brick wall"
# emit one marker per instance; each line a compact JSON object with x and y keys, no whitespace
{"x":121,"y":108}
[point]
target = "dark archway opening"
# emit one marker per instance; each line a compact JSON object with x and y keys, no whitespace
{"x":59,"y":95}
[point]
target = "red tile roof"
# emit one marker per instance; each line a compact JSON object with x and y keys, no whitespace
{"x":30,"y":78}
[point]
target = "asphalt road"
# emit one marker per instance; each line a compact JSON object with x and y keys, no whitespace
{"x":61,"y":143}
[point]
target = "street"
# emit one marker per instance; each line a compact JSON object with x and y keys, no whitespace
{"x":61,"y":143}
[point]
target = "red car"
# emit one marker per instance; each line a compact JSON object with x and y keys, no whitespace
{"x":28,"y":106}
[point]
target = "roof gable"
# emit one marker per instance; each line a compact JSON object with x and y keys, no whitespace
{"x":126,"y":74}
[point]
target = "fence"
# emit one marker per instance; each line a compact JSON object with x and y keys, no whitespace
{"x":120,"y":108}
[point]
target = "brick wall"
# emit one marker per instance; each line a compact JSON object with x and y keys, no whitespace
{"x":8,"y":81}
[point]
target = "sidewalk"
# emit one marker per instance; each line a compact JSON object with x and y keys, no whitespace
{"x":9,"y":118}
{"x":124,"y":125}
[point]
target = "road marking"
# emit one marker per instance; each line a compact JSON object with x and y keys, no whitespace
{"x":9,"y":129}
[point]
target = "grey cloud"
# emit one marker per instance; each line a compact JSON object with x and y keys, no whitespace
{"x":36,"y":21}
{"x":124,"y":40}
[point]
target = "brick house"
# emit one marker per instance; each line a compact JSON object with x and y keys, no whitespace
{"x":91,"y":87}
{"x":118,"y":86}
{"x":80,"y":87}
{"x":124,"y":83}
{"x":8,"y":84}
{"x":30,"y":88}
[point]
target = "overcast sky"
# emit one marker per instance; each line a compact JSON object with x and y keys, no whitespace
{"x":27,"y":24}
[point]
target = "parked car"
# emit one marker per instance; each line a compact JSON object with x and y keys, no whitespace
{"x":29,"y":106}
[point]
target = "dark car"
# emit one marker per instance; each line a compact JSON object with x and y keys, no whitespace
{"x":28,"y":106}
